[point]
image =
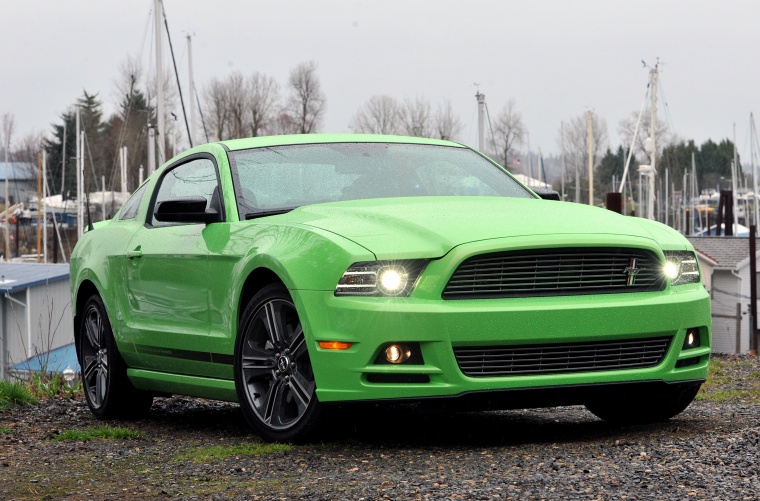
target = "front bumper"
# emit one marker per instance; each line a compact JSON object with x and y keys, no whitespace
{"x":437,"y":326}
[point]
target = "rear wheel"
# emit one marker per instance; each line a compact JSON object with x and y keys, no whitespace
{"x":273,"y":374}
{"x":108,"y":392}
{"x":645,"y":408}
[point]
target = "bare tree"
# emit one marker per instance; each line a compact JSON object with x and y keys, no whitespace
{"x":238,"y":103}
{"x":217,"y":108}
{"x":627,"y":126}
{"x":29,"y":147}
{"x":508,"y":132}
{"x":306,"y":103}
{"x":574,"y":139}
{"x":263,"y":92}
{"x":379,"y":115}
{"x":416,"y":119}
{"x":125,"y":86}
{"x":447,"y":125}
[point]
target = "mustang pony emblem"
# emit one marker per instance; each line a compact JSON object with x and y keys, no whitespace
{"x":632,"y":270}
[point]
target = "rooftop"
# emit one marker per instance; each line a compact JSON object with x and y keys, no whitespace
{"x":728,"y":252}
{"x":16,"y":277}
{"x":17,"y":171}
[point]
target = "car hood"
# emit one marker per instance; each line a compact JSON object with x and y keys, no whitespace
{"x":432,"y":226}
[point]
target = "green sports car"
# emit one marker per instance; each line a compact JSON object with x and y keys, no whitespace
{"x":293,"y":273}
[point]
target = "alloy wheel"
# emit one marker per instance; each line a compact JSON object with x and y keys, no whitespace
{"x":95,"y":367}
{"x":276,"y":371}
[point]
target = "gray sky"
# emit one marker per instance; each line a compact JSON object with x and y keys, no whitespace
{"x":556,"y":59}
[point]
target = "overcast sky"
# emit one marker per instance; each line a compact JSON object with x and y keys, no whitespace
{"x":556,"y":59}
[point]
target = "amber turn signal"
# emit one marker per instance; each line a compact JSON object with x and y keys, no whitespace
{"x":334,"y":345}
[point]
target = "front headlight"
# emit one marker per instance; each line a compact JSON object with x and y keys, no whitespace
{"x":380,"y":278}
{"x":681,"y":267}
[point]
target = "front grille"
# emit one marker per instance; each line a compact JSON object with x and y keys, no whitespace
{"x":556,"y":272}
{"x":546,"y":359}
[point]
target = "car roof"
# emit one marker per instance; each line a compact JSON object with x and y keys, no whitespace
{"x":293,"y":139}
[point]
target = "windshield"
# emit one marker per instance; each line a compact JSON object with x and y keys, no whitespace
{"x":278,"y":178}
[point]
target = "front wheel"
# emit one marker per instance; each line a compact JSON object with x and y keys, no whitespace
{"x":273,"y":374}
{"x":107,"y":389}
{"x":645,"y":408}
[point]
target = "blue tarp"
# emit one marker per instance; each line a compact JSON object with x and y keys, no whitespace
{"x":57,"y":360}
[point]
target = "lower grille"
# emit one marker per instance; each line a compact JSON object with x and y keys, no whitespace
{"x":546,"y":359}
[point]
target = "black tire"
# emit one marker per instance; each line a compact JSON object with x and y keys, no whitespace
{"x":273,"y":374}
{"x":107,"y":390}
{"x":645,"y":408}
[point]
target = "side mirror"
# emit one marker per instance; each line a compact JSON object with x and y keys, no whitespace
{"x":547,"y":194}
{"x":186,"y":210}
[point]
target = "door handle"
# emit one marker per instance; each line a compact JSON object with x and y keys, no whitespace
{"x":134,"y":253}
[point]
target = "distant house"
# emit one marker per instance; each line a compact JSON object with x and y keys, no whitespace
{"x":22,"y":182}
{"x":35,"y":315}
{"x":724,"y":262}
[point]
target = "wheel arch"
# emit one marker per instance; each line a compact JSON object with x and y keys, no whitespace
{"x":256,"y":280}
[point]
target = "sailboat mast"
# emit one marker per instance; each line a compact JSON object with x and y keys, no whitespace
{"x":653,"y":136}
{"x":590,"y":142}
{"x":80,"y":194}
{"x":564,"y":159}
{"x":44,"y":206}
{"x":481,"y":121}
{"x":192,"y":89}
{"x":158,"y":7}
{"x":7,"y":133}
{"x":734,"y":174}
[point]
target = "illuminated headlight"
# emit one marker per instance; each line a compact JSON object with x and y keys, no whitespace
{"x":681,"y":268}
{"x":380,"y":278}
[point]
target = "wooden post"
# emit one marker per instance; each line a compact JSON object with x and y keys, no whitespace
{"x":738,"y":328}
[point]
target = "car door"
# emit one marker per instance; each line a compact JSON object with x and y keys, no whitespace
{"x":167,"y":278}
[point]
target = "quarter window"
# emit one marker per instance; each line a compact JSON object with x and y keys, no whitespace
{"x":129,"y":211}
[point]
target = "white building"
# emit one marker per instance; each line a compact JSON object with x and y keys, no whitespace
{"x":35,"y":314}
{"x":724,"y":262}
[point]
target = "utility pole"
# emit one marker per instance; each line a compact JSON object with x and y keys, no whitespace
{"x":158,"y":8}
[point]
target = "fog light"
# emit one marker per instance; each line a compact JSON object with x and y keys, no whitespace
{"x":397,"y":353}
{"x":691,"y":340}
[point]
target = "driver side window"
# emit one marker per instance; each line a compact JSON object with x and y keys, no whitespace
{"x":196,"y":178}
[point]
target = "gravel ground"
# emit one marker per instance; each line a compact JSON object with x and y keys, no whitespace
{"x":711,"y":451}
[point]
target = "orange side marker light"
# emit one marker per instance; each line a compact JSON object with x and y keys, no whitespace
{"x":334,"y":345}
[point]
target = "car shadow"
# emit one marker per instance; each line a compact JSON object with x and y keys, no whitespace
{"x":489,"y":428}
{"x":409,"y":427}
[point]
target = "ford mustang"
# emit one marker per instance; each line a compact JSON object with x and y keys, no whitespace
{"x":294,"y":273}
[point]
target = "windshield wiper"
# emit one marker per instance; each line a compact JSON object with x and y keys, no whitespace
{"x":264,"y":213}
